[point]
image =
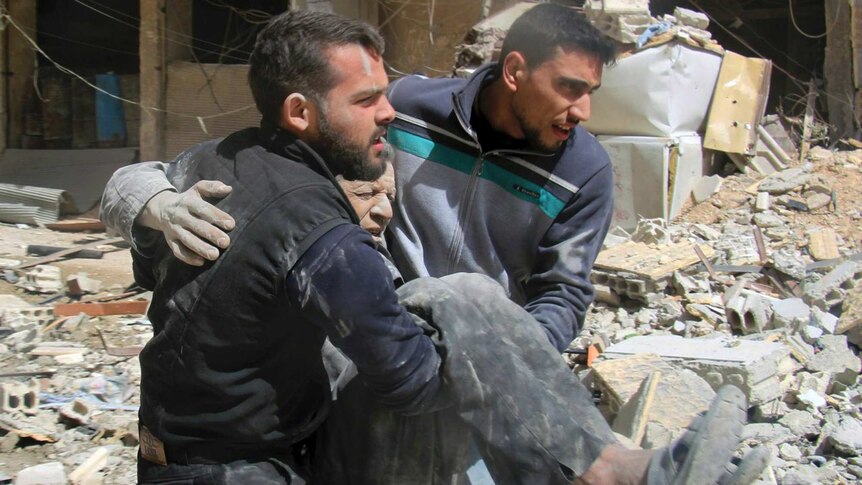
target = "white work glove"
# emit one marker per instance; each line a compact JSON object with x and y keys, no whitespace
{"x":193,"y":228}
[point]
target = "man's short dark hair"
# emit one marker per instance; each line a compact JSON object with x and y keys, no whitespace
{"x":539,"y":31}
{"x":289,"y":56}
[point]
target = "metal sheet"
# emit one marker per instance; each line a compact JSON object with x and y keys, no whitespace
{"x":47,"y":201}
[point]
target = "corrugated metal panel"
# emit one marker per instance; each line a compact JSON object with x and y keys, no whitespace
{"x":18,"y":213}
{"x":223,"y":89}
{"x":47,"y":201}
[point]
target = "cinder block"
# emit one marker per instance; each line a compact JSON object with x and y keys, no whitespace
{"x":77,"y":412}
{"x":19,"y":396}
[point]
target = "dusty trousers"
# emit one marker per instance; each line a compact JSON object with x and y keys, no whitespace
{"x":505,"y":387}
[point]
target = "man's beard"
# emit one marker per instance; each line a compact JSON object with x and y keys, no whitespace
{"x":351,"y":161}
{"x":533,"y":134}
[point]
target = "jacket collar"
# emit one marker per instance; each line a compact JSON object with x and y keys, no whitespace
{"x":464,"y":100}
{"x":285,"y":144}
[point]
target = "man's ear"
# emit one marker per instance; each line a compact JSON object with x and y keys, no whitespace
{"x":295,"y":114}
{"x":514,"y":70}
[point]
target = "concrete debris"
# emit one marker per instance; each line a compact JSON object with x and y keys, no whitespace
{"x":829,"y":291}
{"x":823,"y":244}
{"x":706,"y":187}
{"x":850,"y":321}
{"x":51,"y":473}
{"x":817,"y":201}
{"x":786,"y":180}
{"x":846,"y":437}
{"x":836,"y":359}
{"x":43,"y":279}
{"x":691,"y":18}
{"x":753,"y":366}
{"x":800,"y":423}
{"x":654,"y":415}
{"x":790,"y":313}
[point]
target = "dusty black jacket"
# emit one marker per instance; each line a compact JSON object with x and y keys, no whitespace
{"x":235,"y":358}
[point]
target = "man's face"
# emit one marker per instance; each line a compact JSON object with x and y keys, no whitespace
{"x":555,"y":97}
{"x":372,"y":201}
{"x":354,"y":114}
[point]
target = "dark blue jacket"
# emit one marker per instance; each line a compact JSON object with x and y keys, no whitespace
{"x":236,"y":355}
{"x":467,"y":203}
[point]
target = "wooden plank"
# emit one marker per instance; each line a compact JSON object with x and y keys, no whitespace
{"x":823,"y":245}
{"x":135,"y":307}
{"x":737,"y":104}
{"x":67,"y":252}
{"x":92,"y":465}
{"x":650,"y":261}
{"x":80,"y":224}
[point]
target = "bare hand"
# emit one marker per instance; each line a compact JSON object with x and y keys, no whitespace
{"x":193,"y":228}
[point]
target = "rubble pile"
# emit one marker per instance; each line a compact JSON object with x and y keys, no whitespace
{"x":759,"y":286}
{"x":69,"y":379}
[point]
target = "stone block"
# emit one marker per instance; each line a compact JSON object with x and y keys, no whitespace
{"x":19,"y":396}
{"x":26,"y":315}
{"x":753,"y":366}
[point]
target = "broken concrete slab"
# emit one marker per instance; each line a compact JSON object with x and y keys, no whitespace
{"x":846,"y":437}
{"x":643,"y":391}
{"x":836,"y":359}
{"x":786,"y":180}
{"x":790,"y":313}
{"x":801,"y":423}
{"x":753,"y":366}
{"x":830,"y":290}
{"x":824,"y":320}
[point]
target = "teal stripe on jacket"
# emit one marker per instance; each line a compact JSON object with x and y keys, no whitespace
{"x":518,"y":186}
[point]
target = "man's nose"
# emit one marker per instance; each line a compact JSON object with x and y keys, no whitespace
{"x":580,"y":109}
{"x":382,"y":211}
{"x":386,"y":113}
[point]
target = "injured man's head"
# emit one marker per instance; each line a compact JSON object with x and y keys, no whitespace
{"x":372,"y":201}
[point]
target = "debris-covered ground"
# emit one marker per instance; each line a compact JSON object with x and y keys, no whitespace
{"x":781,"y":319}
